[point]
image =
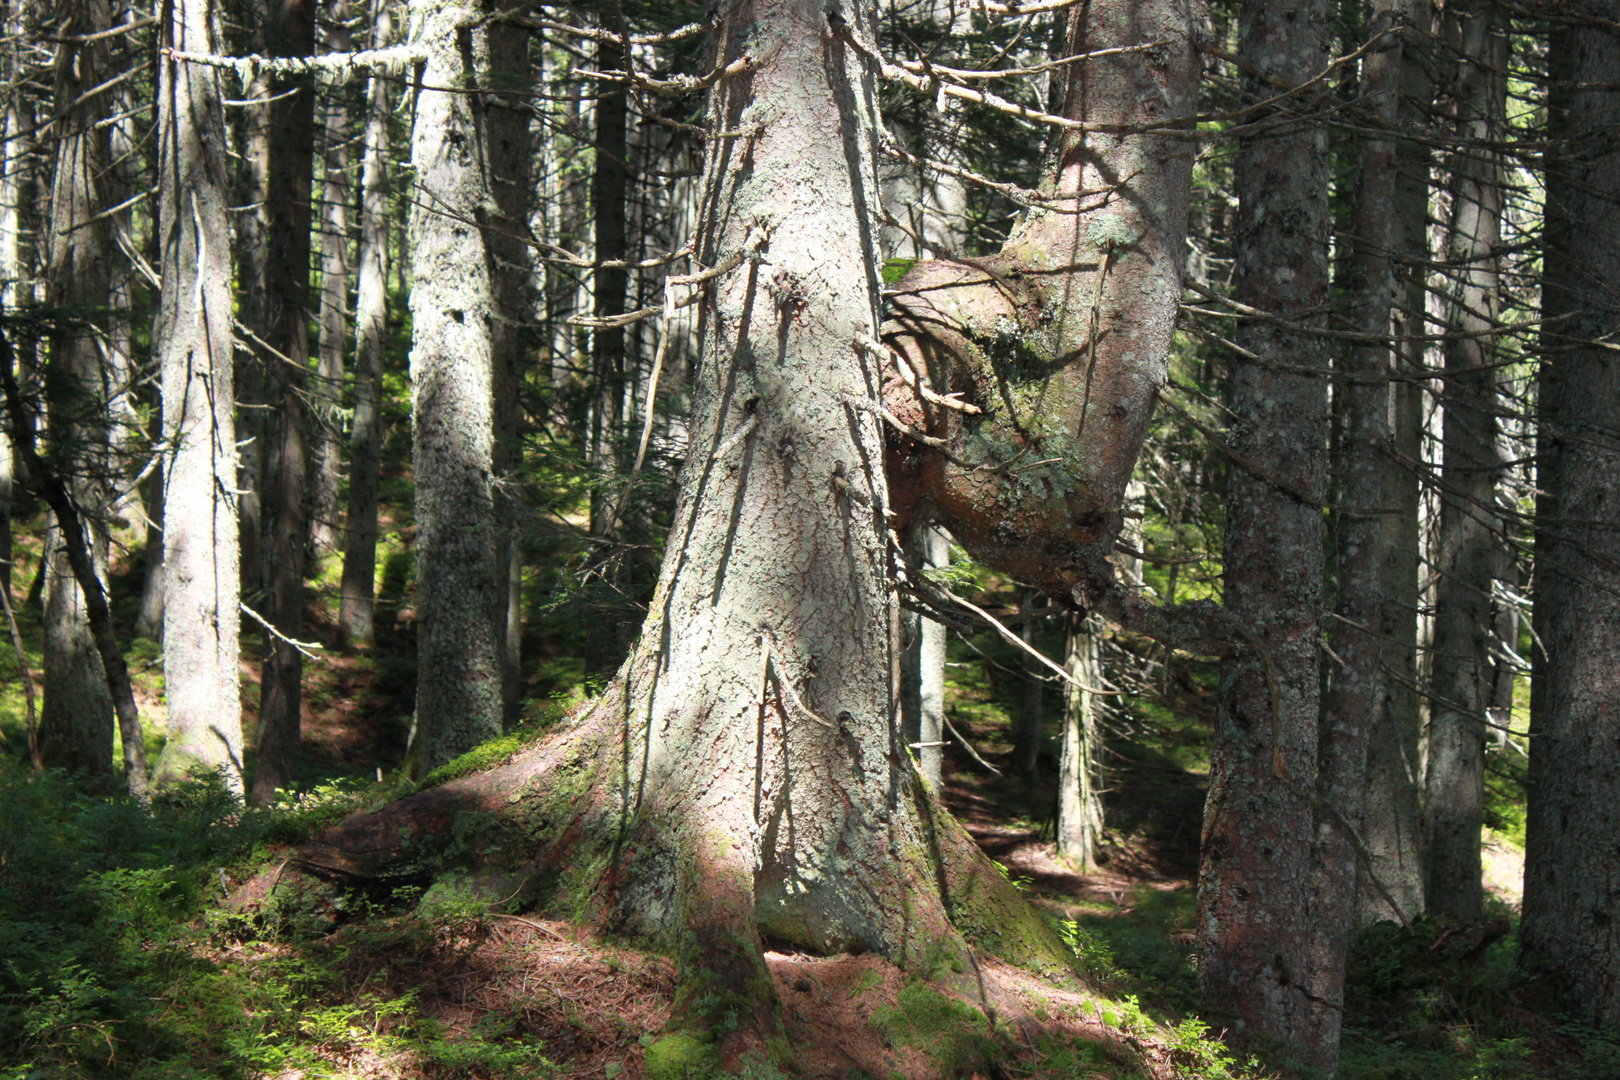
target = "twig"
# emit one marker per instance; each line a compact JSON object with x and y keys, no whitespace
{"x":302,"y":646}
{"x":972,"y":753}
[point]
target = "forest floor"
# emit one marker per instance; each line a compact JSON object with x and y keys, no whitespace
{"x":121,"y":959}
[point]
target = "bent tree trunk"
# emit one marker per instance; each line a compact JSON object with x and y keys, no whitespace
{"x":745,"y":774}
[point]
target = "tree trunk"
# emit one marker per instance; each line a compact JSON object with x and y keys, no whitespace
{"x":326,"y":395}
{"x":1392,"y":824}
{"x":1080,"y":812}
{"x":1571,"y":898}
{"x":1027,"y":735}
{"x":744,"y":774}
{"x":604,"y":636}
{"x":76,"y":724}
{"x":923,"y":696}
{"x":507,"y":127}
{"x":459,"y":586}
{"x":1254,"y":873}
{"x":194,"y":346}
{"x":1363,"y":530}
{"x":1468,"y":549}
{"x":358,"y":589}
{"x":291,"y":32}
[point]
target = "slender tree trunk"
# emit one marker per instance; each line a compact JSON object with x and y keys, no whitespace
{"x":1468,"y":548}
{"x":286,"y":296}
{"x":923,"y":697}
{"x":1572,"y":877}
{"x":1254,"y":874}
{"x":1080,"y":812}
{"x":1392,"y":825}
{"x":194,"y":347}
{"x":326,"y":395}
{"x":15,"y":166}
{"x":252,"y":234}
{"x":507,"y":127}
{"x":1027,"y":735}
{"x":358,"y":589}
{"x":604,"y":637}
{"x":76,"y":724}
{"x":460,"y":588}
{"x":1362,"y":533}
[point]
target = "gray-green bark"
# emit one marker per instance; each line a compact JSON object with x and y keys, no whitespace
{"x":1468,"y":555}
{"x":1254,"y":873}
{"x":1079,"y":803}
{"x":923,"y":689}
{"x":76,"y":723}
{"x":1569,"y":940}
{"x":201,"y":613}
{"x":1363,"y":530}
{"x":460,"y":586}
{"x":358,"y":587}
{"x":1392,"y":825}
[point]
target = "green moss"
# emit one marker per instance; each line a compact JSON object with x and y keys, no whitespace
{"x":952,"y":1033}
{"x":497,"y":751}
{"x":681,"y":1057}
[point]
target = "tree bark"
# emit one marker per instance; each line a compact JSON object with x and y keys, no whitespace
{"x":1468,"y":547}
{"x":459,"y":585}
{"x":1080,"y":811}
{"x":923,"y":696}
{"x":1254,"y":872}
{"x":1571,"y":899}
{"x":1027,"y":735}
{"x":1363,"y":531}
{"x":358,"y":588}
{"x":326,"y":395}
{"x":76,"y":723}
{"x":507,"y":126}
{"x":289,"y":32}
{"x":744,"y":774}
{"x":194,"y":346}
{"x":1392,"y":824}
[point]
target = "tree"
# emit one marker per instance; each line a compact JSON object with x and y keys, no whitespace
{"x":76,"y":724}
{"x":1571,"y":906}
{"x":1468,"y":554}
{"x":358,"y":587}
{"x":289,"y":32}
{"x":1392,"y":823}
{"x":327,"y":392}
{"x":1254,"y":911}
{"x":1080,"y":813}
{"x":744,"y":773}
{"x":194,"y":346}
{"x":459,"y":586}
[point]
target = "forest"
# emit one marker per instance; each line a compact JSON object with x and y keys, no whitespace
{"x":908,"y":539}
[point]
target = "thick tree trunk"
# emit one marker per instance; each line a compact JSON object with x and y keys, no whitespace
{"x":76,"y":723}
{"x":1080,"y":812}
{"x":745,"y":775}
{"x":1468,"y":548}
{"x":1392,"y":825}
{"x":459,"y":584}
{"x":326,"y":395}
{"x":1571,"y":897}
{"x":291,"y":32}
{"x":194,"y":347}
{"x":1254,"y":874}
{"x":358,"y":588}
